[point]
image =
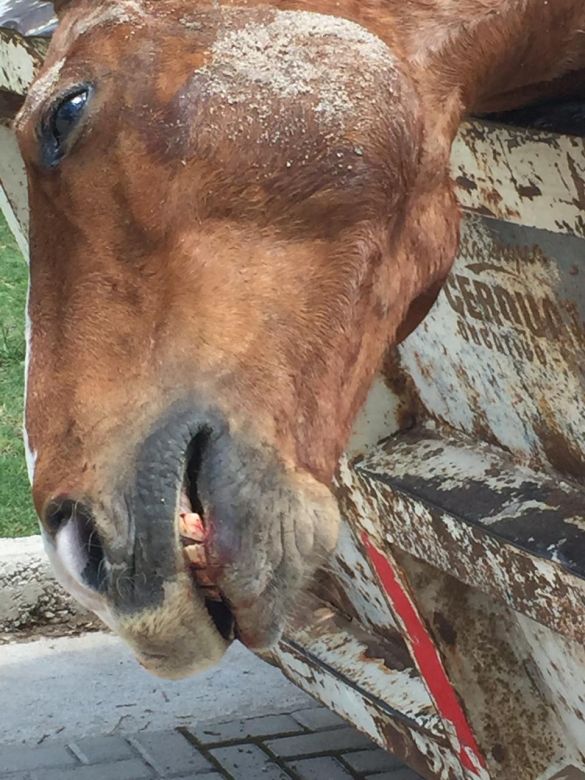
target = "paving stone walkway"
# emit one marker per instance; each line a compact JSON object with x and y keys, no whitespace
{"x":309,"y":744}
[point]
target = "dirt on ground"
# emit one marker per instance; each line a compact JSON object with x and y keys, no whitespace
{"x":75,"y":626}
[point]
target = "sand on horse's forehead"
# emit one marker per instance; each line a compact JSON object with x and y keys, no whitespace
{"x":297,"y":53}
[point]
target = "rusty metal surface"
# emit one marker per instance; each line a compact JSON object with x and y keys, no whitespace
{"x":426,"y":655}
{"x":489,"y":662}
{"x":479,"y":485}
{"x":352,"y":588}
{"x":381,"y":667}
{"x":384,"y":413}
{"x":482,"y":506}
{"x":488,"y":657}
{"x":468,"y":511}
{"x":500,"y":356}
{"x":13,"y":188}
{"x":559,"y":665}
{"x":371,"y":684}
{"x":525,"y":177}
{"x":20,"y":59}
{"x":432,"y":759}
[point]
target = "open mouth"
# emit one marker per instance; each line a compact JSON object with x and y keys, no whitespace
{"x":195,"y":533}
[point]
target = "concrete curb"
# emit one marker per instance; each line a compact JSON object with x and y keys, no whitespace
{"x":29,"y":595}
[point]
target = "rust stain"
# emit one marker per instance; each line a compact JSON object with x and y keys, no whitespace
{"x":562,"y":454}
{"x":530,"y":191}
{"x":570,"y":773}
{"x":396,"y":744}
{"x":486,"y":664}
{"x":402,"y":386}
{"x":445,"y":629}
{"x":466,"y":183}
{"x":493,"y":197}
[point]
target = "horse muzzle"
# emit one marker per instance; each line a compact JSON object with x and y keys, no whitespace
{"x":204,"y":538}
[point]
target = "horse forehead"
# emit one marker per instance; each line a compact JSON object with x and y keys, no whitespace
{"x":319,"y":75}
{"x":292,"y":51}
{"x":291,"y":55}
{"x":85,"y":21}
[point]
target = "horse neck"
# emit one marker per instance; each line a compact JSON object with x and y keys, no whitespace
{"x":491,"y":56}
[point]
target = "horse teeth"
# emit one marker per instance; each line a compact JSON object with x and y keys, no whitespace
{"x":191,"y":526}
{"x":205,"y":582}
{"x":206,"y":585}
{"x":196,"y":555}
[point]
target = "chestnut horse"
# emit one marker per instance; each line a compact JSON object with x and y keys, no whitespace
{"x":235,"y":208}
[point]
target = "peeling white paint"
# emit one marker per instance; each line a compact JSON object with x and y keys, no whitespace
{"x":476,"y":373}
{"x":20,"y":60}
{"x":521,"y":176}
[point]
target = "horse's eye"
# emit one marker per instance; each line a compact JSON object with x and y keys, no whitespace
{"x":60,"y":123}
{"x":66,"y":115}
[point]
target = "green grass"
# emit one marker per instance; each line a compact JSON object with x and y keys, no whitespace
{"x":17,"y":516}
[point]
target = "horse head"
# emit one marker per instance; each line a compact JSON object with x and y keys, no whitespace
{"x":235,"y":209}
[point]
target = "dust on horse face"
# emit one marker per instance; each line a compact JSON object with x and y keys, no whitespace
{"x":220,"y":251}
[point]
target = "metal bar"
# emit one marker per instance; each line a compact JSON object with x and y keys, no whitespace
{"x":428,"y":661}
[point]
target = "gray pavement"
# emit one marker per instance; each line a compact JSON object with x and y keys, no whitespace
{"x":78,"y":686}
{"x":306,"y":744}
{"x":82,"y":709}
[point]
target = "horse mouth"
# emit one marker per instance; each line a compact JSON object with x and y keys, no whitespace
{"x":222,"y":539}
{"x":213,"y":540}
{"x":196,"y":537}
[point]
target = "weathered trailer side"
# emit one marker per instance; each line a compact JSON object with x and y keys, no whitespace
{"x":478,"y":506}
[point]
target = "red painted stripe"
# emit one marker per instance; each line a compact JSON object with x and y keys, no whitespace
{"x":427,"y":659}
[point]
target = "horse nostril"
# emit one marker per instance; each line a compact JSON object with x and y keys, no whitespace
{"x":72,"y":525}
{"x":58,"y":512}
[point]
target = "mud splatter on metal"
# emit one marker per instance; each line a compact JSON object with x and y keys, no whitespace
{"x":500,"y":356}
{"x":521,"y":176}
{"x":20,"y":59}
